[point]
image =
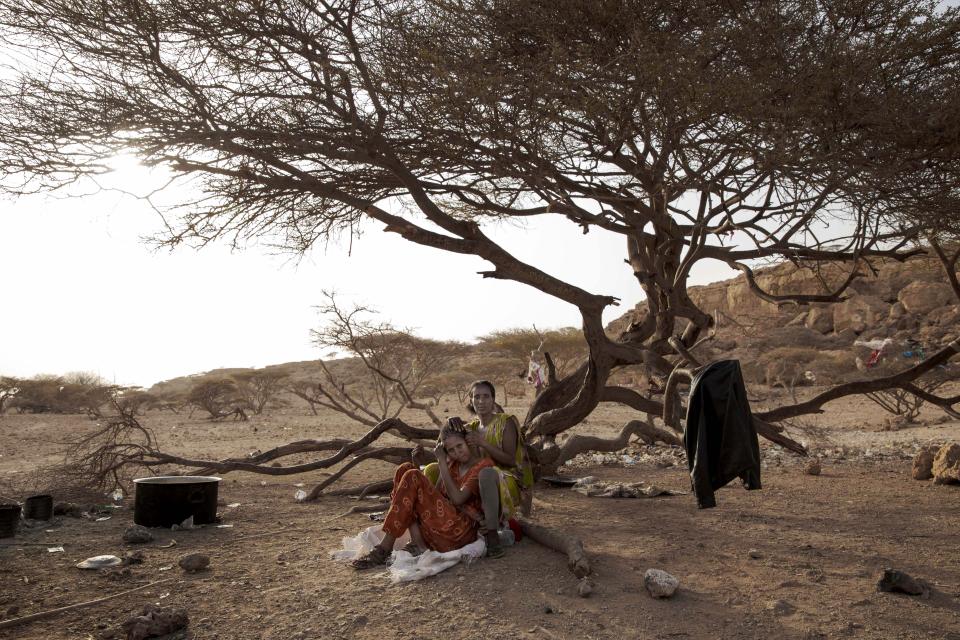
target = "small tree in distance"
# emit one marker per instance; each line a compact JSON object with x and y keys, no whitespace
{"x":219,"y":398}
{"x":258,"y":388}
{"x":400,"y":367}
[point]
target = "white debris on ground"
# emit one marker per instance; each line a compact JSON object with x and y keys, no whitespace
{"x":772,"y":455}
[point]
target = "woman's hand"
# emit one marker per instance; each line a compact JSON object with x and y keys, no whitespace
{"x":440,"y":452}
{"x":475,"y":439}
{"x":416,"y":454}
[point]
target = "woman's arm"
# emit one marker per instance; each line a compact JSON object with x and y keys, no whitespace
{"x":505,"y":456}
{"x":457,"y":495}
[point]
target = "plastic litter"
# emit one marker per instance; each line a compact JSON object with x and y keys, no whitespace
{"x":405,"y":567}
{"x":506,"y":536}
{"x":300,"y":495}
{"x":58,"y":549}
{"x":99,"y":562}
{"x":117,"y":495}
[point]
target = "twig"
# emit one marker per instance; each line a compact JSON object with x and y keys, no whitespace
{"x":5,"y":624}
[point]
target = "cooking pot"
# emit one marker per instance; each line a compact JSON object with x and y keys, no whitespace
{"x":163,"y":501}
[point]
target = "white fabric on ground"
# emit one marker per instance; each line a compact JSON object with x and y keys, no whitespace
{"x":405,"y":567}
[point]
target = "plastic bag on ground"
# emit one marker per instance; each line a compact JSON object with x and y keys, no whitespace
{"x":408,"y":568}
{"x":363,"y":542}
{"x":404,"y":566}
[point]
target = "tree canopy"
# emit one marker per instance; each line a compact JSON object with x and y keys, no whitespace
{"x":809,"y":131}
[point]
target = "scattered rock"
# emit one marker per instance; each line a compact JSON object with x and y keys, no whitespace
{"x":659,"y":583}
{"x":923,"y":297}
{"x":194,"y":562}
{"x":859,"y":312}
{"x":154,"y":622}
{"x":585,"y":588}
{"x":923,"y":463}
{"x":754,"y":554}
{"x":899,"y":582}
{"x":137,"y":534}
{"x":897,"y":311}
{"x":946,"y":465}
{"x":819,"y":319}
{"x":12,"y":611}
{"x":813,"y":468}
{"x":133,"y":557}
{"x":70,"y":509}
{"x":781,"y":607}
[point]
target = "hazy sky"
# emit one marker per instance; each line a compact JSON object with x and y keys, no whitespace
{"x":82,"y":292}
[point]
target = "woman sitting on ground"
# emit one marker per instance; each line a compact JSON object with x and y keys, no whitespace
{"x":497,"y":435}
{"x":442,"y":517}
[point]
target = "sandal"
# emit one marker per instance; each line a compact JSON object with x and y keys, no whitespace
{"x":494,"y":548}
{"x":374,"y":558}
{"x":413,"y":549}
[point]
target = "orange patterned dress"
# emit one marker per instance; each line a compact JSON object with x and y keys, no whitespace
{"x":444,"y":526}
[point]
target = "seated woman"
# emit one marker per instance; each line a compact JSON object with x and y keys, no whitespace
{"x":497,"y":435}
{"x":442,"y":517}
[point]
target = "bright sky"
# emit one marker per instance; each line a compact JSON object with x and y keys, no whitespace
{"x":83,"y":292}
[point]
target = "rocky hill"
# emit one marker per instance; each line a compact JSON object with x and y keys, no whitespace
{"x":905,"y":302}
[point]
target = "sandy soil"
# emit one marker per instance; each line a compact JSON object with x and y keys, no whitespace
{"x":798,"y":559}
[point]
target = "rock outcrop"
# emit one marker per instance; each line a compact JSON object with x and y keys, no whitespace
{"x":946,"y":466}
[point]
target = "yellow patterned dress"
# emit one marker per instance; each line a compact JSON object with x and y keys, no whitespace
{"x":513,"y":479}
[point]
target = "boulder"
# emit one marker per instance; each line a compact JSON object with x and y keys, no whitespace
{"x":923,"y":297}
{"x":893,"y":581}
{"x":659,"y":583}
{"x":897,"y":311}
{"x":859,"y":312}
{"x":946,"y":465}
{"x":923,"y":463}
{"x":945,"y":316}
{"x":194,"y":562}
{"x":798,"y":319}
{"x":155,"y":621}
{"x":819,"y":320}
{"x":137,"y":534}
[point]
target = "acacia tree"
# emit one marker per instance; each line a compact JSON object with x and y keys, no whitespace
{"x":257,"y":388}
{"x":565,"y":346}
{"x":400,"y":367}
{"x":9,"y":386}
{"x":733,"y":132}
{"x":219,"y":398}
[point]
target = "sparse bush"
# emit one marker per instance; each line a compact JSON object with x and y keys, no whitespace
{"x":219,"y":398}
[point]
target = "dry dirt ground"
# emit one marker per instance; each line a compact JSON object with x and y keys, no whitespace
{"x":798,"y":559}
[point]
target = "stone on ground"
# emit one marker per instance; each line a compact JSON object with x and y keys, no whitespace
{"x":946,"y":465}
{"x":137,"y":534}
{"x":659,"y":583}
{"x":923,"y":463}
{"x":194,"y":562}
{"x":899,"y":582}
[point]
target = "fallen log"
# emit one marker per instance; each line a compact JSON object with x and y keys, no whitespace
{"x":577,"y":560}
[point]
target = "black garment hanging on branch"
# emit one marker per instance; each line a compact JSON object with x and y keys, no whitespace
{"x":720,"y":438}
